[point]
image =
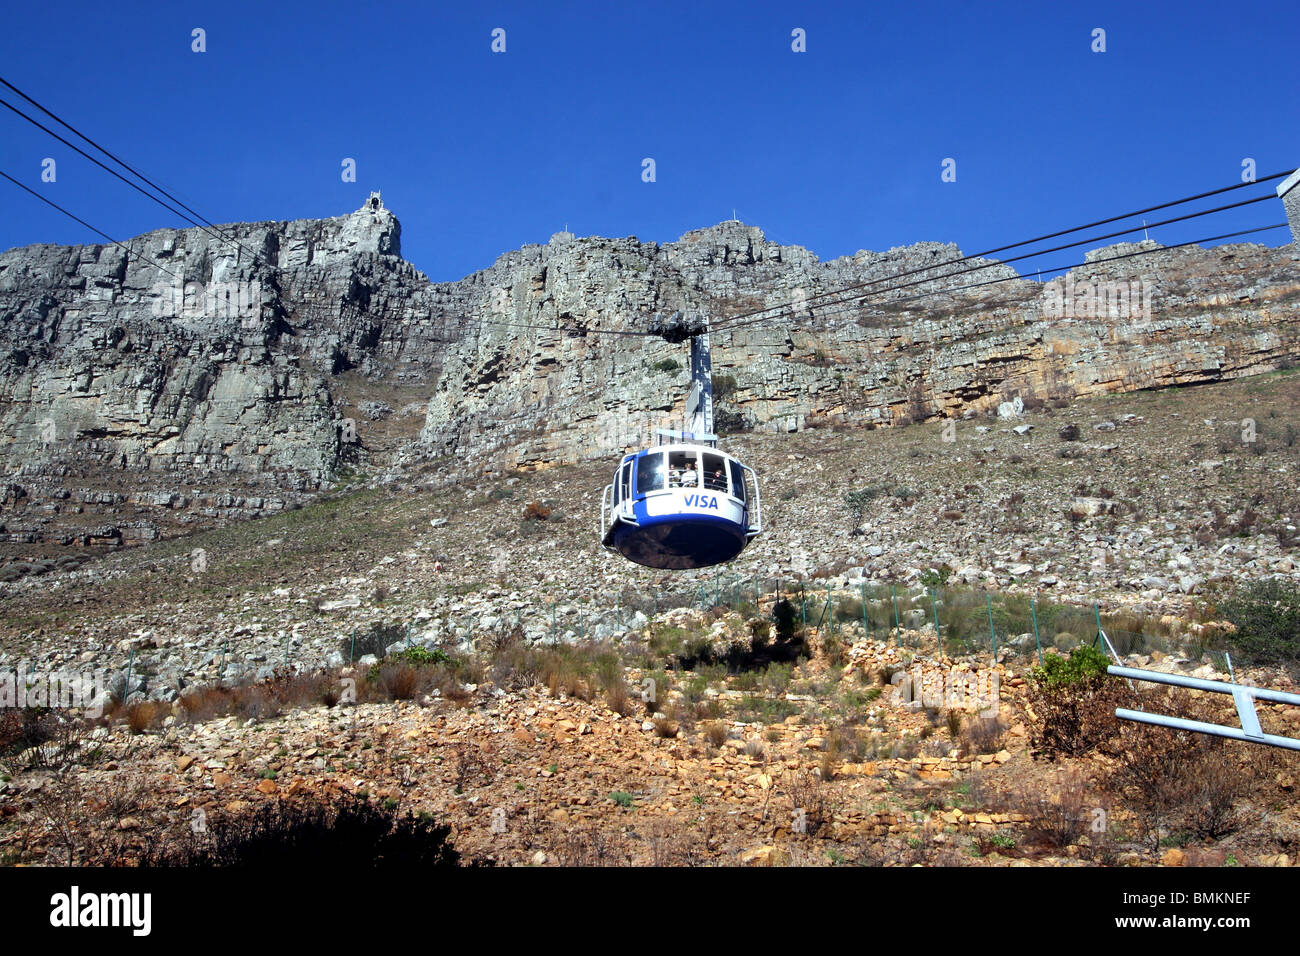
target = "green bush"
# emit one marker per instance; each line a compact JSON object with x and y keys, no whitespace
{"x":417,"y":656}
{"x":671,"y":366}
{"x":1085,"y":666}
{"x":936,"y":577}
{"x":1070,"y":704}
{"x":1267,"y":618}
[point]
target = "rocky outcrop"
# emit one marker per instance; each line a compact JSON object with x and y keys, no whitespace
{"x":941,"y":342}
{"x":198,"y":372}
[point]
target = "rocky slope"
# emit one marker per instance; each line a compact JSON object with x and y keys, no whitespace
{"x":1157,"y":503}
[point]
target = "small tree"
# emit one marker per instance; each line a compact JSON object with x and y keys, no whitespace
{"x":857,"y":502}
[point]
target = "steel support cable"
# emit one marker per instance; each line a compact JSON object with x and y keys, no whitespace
{"x":100,"y":232}
{"x":136,"y":187}
{"x":464,"y":322}
{"x":469,"y":323}
{"x":999,"y":262}
{"x":123,"y":163}
{"x":1127,"y":255}
{"x":1025,"y":242}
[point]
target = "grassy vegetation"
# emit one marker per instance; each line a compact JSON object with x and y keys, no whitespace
{"x":1267,"y":618}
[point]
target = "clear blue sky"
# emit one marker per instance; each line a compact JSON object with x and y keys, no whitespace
{"x":837,"y":149}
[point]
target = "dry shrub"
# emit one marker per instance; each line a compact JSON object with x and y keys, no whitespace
{"x":811,"y":801}
{"x":842,"y":741}
{"x":592,"y":845}
{"x":258,"y":702}
{"x":710,"y":709}
{"x":145,"y":714}
{"x":828,"y":764}
{"x":451,"y":689}
{"x":618,"y":699}
{"x":25,"y":727}
{"x":715,"y":732}
{"x":892,"y":850}
{"x":204,"y":703}
{"x":1188,"y":782}
{"x":305,"y":689}
{"x":1060,"y":816}
{"x":401,"y":681}
{"x":472,"y":766}
{"x":983,"y":735}
{"x":676,"y":842}
{"x":666,"y":727}
{"x":285,"y":690}
{"x":562,"y":670}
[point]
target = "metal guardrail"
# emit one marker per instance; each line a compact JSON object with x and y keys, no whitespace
{"x":1243,"y":696}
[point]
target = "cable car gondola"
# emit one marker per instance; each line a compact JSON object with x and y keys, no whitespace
{"x":682,"y":503}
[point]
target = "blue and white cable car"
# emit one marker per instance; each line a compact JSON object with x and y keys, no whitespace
{"x":682,"y":503}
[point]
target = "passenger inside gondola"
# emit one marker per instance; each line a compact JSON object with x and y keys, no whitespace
{"x":681,"y":470}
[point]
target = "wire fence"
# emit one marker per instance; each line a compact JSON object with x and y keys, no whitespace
{"x":931,"y":620}
{"x":936,"y":620}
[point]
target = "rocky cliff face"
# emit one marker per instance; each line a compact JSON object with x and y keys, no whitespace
{"x":1173,"y":316}
{"x":195,"y":375}
{"x":192,"y":378}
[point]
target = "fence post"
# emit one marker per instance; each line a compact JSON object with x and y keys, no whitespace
{"x":1033,"y":610}
{"x":993,"y":633}
{"x":352,"y":651}
{"x":830,"y":610}
{"x":934,"y":607}
{"x":126,"y":688}
{"x":866,"y":629}
{"x":552,"y":623}
{"x":221,"y":674}
{"x":898,"y":628}
{"x":288,"y":635}
{"x":1096,"y":609}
